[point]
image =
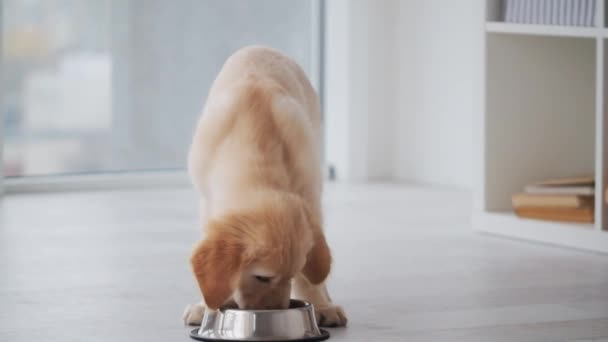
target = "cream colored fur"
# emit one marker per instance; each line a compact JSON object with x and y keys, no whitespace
{"x":255,"y":160}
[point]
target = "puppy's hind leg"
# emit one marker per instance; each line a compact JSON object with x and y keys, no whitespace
{"x":328,"y":314}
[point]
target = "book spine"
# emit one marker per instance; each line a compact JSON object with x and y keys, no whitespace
{"x":576,"y":6}
{"x":528,"y":12}
{"x":582,"y":12}
{"x":519,"y":11}
{"x":575,"y":215}
{"x":554,"y":12}
{"x":535,"y":19}
{"x":545,"y":12}
{"x":562,"y":13}
{"x":508,"y":11}
{"x":589,"y":15}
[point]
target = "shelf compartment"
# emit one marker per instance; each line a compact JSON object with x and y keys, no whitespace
{"x":540,"y":113}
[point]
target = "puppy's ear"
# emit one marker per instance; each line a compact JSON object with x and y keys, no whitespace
{"x":216,"y":262}
{"x":318,"y":262}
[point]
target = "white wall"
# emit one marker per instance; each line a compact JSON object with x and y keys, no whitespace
{"x":440,"y":44}
{"x":336,"y":80}
{"x":358,"y":111}
{"x":403,"y":83}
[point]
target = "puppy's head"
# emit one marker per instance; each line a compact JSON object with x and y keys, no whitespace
{"x":251,"y":257}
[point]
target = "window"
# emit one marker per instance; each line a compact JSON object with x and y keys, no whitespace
{"x":94,"y":86}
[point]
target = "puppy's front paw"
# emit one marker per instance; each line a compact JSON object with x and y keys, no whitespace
{"x":331,"y":316}
{"x":193,"y":314}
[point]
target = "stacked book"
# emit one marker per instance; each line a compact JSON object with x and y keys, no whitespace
{"x":550,"y":12}
{"x":564,"y":199}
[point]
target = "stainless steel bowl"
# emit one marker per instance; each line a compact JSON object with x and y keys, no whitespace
{"x":297,"y":323}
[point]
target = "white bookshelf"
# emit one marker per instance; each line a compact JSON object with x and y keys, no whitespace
{"x":544,"y":116}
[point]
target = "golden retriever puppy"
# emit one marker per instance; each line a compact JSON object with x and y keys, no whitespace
{"x":255,"y":160}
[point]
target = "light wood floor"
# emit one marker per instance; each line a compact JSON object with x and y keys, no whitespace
{"x":112,"y":266}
